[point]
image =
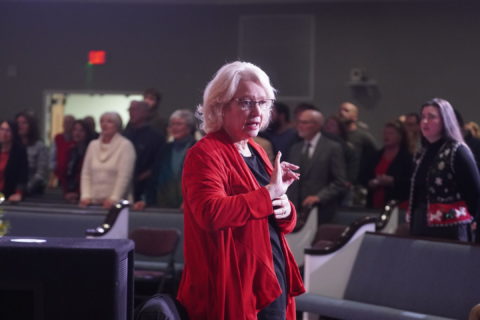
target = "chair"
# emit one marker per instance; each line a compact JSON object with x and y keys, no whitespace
{"x":158,"y":307}
{"x":159,"y":243}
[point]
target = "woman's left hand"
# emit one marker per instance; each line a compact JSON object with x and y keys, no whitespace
{"x":385,"y":180}
{"x":281,"y":207}
{"x":16,"y":197}
{"x":108,"y":203}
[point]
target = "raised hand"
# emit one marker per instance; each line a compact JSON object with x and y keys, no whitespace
{"x":282,"y":177}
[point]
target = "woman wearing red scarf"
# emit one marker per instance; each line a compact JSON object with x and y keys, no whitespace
{"x":237,"y":261}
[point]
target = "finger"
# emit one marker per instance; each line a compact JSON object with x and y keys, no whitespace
{"x":276,"y":166}
{"x":277,"y":159}
{"x":292,"y":175}
{"x":280,"y":203}
{"x":280,"y":213}
{"x":289,"y":165}
{"x":277,"y":203}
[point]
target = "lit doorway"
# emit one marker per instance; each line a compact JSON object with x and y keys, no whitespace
{"x":81,"y":104}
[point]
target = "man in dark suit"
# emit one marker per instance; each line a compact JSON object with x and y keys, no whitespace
{"x":322,"y":168}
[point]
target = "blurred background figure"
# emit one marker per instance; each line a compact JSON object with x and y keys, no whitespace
{"x":389,"y":172}
{"x":147,"y":143}
{"x":322,"y":168}
{"x":358,"y":135}
{"x":473,"y":128}
{"x":13,"y":162}
{"x":472,"y":142}
{"x":90,"y":121}
{"x":81,"y":136}
{"x":60,"y":149}
{"x":412,"y":125}
{"x":334,"y":128}
{"x":266,"y":145}
{"x":108,"y":166}
{"x":365,"y":147}
{"x":302,"y":106}
{"x":153,"y":98}
{"x":166,"y":190}
{"x":37,"y":153}
{"x":280,"y":131}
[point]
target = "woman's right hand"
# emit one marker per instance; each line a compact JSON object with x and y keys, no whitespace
{"x":16,"y":197}
{"x":85,"y":202}
{"x":282,"y":177}
{"x":71,"y":197}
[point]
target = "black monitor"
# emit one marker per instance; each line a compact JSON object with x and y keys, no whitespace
{"x":66,"y":278}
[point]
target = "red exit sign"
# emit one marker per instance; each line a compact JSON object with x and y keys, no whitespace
{"x":97,"y":57}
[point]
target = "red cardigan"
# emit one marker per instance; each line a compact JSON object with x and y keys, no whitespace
{"x":229,"y":272}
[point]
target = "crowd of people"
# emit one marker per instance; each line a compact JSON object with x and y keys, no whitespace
{"x":141,"y":162}
{"x":238,"y":197}
{"x":341,"y":163}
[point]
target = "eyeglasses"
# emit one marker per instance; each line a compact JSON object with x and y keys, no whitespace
{"x":248,"y":104}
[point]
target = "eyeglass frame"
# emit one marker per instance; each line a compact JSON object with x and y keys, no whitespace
{"x":250,"y":103}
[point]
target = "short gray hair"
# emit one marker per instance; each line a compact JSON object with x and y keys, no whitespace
{"x":221,"y":89}
{"x":115,"y":117}
{"x":186,"y":115}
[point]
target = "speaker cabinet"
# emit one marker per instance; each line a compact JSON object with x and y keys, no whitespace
{"x":66,"y":278}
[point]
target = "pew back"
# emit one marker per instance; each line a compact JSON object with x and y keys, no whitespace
{"x":425,"y":276}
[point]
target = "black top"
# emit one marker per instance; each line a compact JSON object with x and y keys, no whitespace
{"x":401,"y":169}
{"x":74,"y":167}
{"x":258,"y":169}
{"x":16,"y":171}
{"x":147,"y":143}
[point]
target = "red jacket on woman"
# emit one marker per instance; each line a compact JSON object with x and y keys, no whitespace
{"x":229,"y":272}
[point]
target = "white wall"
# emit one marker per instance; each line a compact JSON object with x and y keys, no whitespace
{"x":82,"y":105}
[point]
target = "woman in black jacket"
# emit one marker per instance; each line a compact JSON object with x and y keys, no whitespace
{"x":388,"y":176}
{"x":13,"y":162}
{"x":445,"y":189}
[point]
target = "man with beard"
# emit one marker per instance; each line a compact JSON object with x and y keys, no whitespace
{"x":362,"y":140}
{"x":280,"y":133}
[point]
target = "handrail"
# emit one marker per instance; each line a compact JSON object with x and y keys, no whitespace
{"x":109,"y":221}
{"x":386,"y":214}
{"x":379,"y":221}
{"x":63,"y":208}
{"x":344,"y":237}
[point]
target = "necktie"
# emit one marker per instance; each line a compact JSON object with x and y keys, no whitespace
{"x":305,"y":158}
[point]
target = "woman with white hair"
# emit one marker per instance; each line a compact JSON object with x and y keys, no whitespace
{"x":237,"y":261}
{"x":445,"y":186}
{"x":108,"y":165}
{"x":166,"y":190}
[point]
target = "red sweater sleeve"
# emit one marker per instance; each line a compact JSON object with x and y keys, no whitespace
{"x":218,"y":195}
